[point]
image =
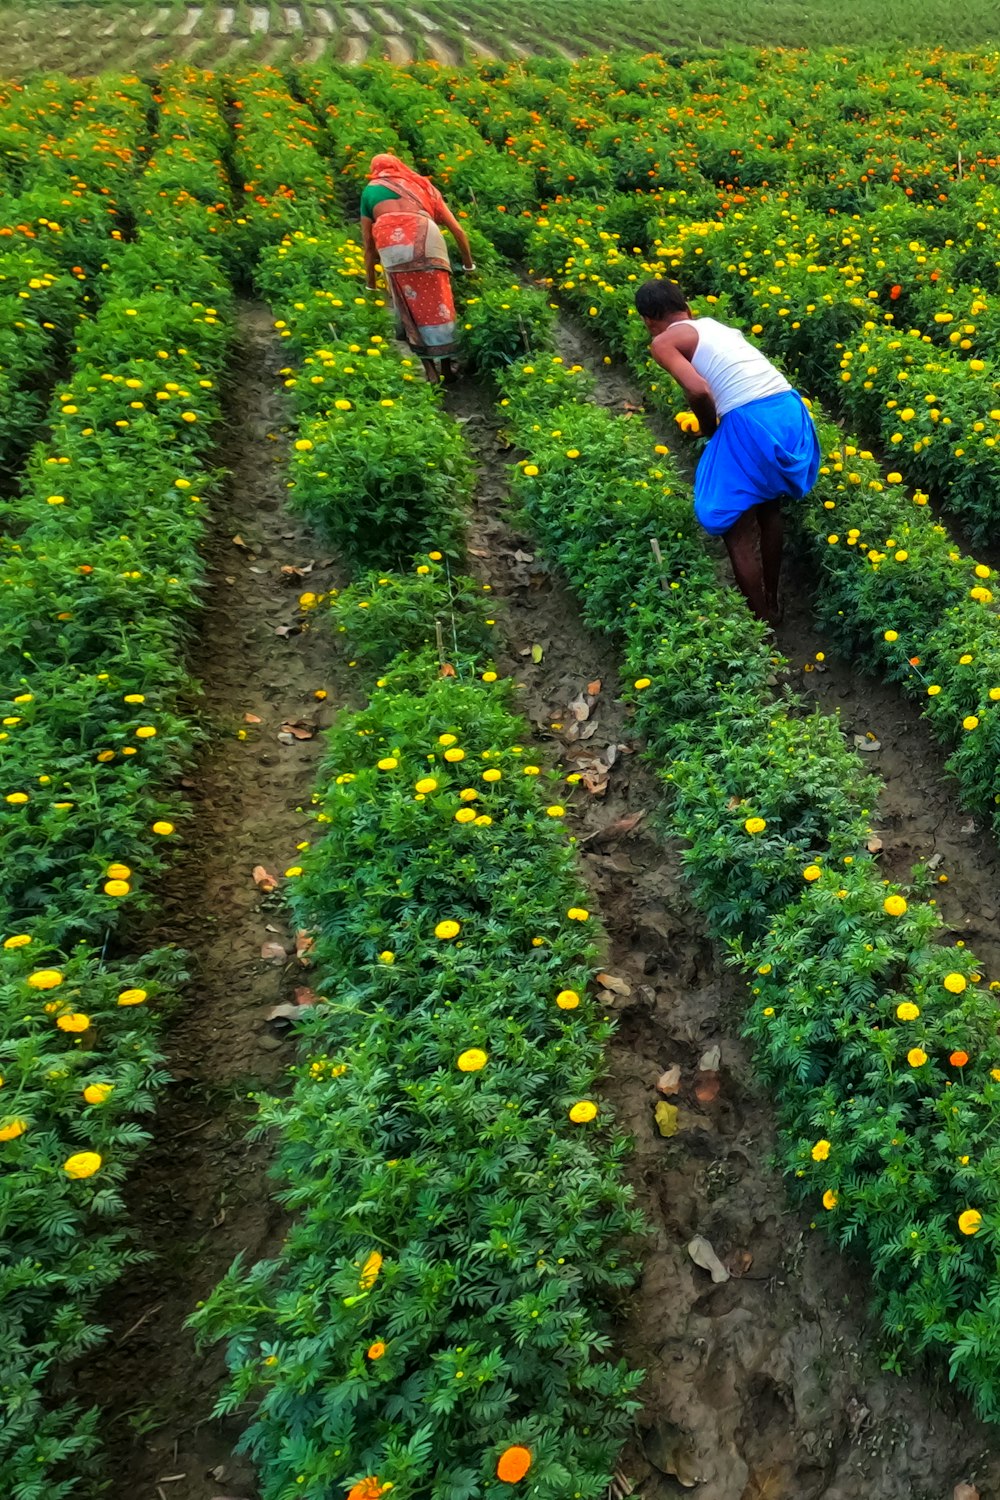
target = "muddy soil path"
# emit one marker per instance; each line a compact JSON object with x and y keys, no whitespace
{"x":767,"y":1387}
{"x":201,"y":1193}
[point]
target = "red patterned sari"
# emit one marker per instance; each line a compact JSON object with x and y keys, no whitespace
{"x":415,"y":260}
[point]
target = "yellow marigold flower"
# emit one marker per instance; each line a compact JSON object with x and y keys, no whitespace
{"x":483,"y":821}
{"x":894,"y":478}
{"x":982,"y":571}
{"x":303,"y":445}
{"x":73,"y":1020}
{"x":426,"y":784}
{"x":369,"y":1271}
{"x":342,"y":405}
{"x":45,"y":979}
{"x":907,"y":1011}
{"x":970,"y":722}
{"x":82,"y":1164}
{"x":472,"y":1060}
{"x":19,"y":940}
{"x":555,"y":811}
{"x":642,"y":683}
{"x":447,"y":929}
{"x":821,"y":1151}
{"x":530,"y":470}
{"x":970,"y":1221}
{"x":388,"y":763}
{"x":492,"y":774}
{"x":583,"y":1112}
{"x":468,"y":794}
{"x":454,"y":754}
{"x":578,"y":914}
{"x":894,"y":906}
{"x":116,"y":887}
{"x":530,"y":770}
{"x":933,"y":690}
{"x":16,"y":799}
{"x":811,"y":872}
{"x":916,"y":1057}
{"x":567,"y":999}
{"x":145,"y":732}
{"x":118,"y":872}
{"x":162,"y":827}
{"x":132,"y":997}
{"x":829,"y":1199}
{"x":465,"y":815}
{"x":423,"y":568}
{"x":891,"y":635}
{"x":447,"y":739}
{"x":96,"y":1093}
{"x":755,"y":825}
{"x":489,"y":677}
{"x":954,"y":983}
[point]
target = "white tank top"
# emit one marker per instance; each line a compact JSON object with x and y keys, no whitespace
{"x":733,"y":369}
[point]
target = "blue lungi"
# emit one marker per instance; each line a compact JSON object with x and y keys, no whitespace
{"x":762,"y":451}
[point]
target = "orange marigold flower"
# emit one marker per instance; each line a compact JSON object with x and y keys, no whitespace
{"x":376,"y":1350}
{"x":959,"y":1059}
{"x":513,"y":1464}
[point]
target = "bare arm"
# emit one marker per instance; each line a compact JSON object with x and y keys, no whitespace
{"x":677,"y":364}
{"x":447,"y":218}
{"x":371,"y":256}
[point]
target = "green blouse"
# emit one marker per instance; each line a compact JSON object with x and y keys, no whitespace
{"x":375,"y":192}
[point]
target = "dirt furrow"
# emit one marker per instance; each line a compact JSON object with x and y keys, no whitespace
{"x":768,"y":1384}
{"x":201,"y":1193}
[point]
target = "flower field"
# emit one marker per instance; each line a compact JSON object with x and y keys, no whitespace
{"x":463,"y":1235}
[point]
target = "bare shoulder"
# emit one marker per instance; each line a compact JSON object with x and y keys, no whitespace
{"x":680,"y":336}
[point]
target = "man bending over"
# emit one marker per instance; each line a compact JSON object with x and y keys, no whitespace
{"x":762,"y":442}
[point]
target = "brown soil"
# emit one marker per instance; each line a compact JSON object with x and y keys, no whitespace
{"x":768,"y":1386}
{"x":201,"y":1194}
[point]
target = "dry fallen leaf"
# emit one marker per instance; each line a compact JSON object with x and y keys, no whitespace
{"x":239,"y":542}
{"x":710,"y":1060}
{"x":738,"y":1263}
{"x":618,"y":829}
{"x":703,"y":1255}
{"x":304,"y":942}
{"x":264,"y":879}
{"x":612,"y":982}
{"x":286,"y":630}
{"x":537,"y":652}
{"x":447,"y":670}
{"x":966,"y":1492}
{"x":252,"y":719}
{"x":875,"y":845}
{"x":670,"y":1080}
{"x":666,"y":1118}
{"x":706,"y":1087}
{"x":593,"y":688}
{"x":579,"y":708}
{"x":304,"y":996}
{"x":299,"y":730}
{"x":273,"y":950}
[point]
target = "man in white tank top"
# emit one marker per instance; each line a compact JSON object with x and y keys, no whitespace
{"x":762,"y":441}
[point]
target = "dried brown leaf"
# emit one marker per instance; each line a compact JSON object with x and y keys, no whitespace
{"x":593,"y":688}
{"x":447,"y":670}
{"x":706,"y":1087}
{"x":273,"y":950}
{"x":264,"y":879}
{"x":612,"y":982}
{"x":304,"y":996}
{"x":669,"y":1081}
{"x":252,"y":719}
{"x":618,"y":829}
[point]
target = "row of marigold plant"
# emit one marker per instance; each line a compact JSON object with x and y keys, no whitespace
{"x":439,"y":1336}
{"x":895,"y":590}
{"x":101,"y":572}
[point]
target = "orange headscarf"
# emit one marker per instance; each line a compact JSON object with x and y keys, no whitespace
{"x":393,"y":173}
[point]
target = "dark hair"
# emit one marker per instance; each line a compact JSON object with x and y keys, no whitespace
{"x":659,"y":299}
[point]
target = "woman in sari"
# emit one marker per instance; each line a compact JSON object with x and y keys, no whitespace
{"x":400,"y":215}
